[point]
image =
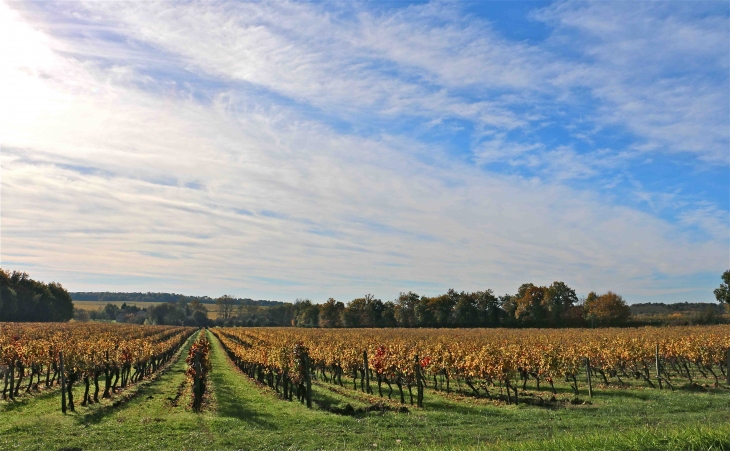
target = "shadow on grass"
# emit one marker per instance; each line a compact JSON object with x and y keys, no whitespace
{"x":229,"y":401}
{"x":231,"y":404}
{"x":139,"y":390}
{"x":25,"y":399}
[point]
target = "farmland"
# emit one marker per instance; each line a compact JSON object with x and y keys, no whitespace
{"x":246,"y":408}
{"x":212,"y":309}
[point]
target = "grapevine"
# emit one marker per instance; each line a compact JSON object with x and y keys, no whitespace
{"x":481,"y":359}
{"x":122,"y":354}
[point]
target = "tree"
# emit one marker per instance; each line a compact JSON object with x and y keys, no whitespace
{"x":489,"y":308}
{"x":466,"y":313}
{"x":201,"y":317}
{"x":530,"y":308}
{"x":110,"y":311}
{"x":307,"y":313}
{"x":441,"y":308}
{"x":225,"y":304}
{"x":607,"y":309}
{"x":363,"y":312}
{"x":372,"y":312}
{"x":195,"y":306}
{"x":508,"y":304}
{"x":559,"y":299}
{"x":25,"y":299}
{"x":352,"y":313}
{"x":388,"y":316}
{"x":405,"y":309}
{"x":722,"y":294}
{"x":330,"y":313}
{"x":422,"y":314}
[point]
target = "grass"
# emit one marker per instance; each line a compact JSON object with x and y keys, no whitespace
{"x":243,"y":415}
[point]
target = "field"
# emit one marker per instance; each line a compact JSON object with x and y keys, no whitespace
{"x":96,"y":305}
{"x":240,"y":412}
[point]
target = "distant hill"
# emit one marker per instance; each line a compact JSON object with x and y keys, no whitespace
{"x":158,"y":297}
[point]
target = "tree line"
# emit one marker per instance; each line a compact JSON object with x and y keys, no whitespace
{"x":23,"y":299}
{"x":556,"y":305}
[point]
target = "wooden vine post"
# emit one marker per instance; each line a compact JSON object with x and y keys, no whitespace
{"x":63,"y":382}
{"x":419,"y":381}
{"x":588,"y":376}
{"x":308,"y":380}
{"x":367,"y":372}
{"x":656,"y":362}
{"x":727,"y":366}
{"x":197,"y":383}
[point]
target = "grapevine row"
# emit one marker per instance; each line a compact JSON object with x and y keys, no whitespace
{"x":481,"y":358}
{"x":199,"y":367}
{"x":121,"y":353}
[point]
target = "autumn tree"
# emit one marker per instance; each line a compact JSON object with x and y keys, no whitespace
{"x":530,"y":307}
{"x":607,"y":309}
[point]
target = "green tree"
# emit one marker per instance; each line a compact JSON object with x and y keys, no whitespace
{"x":423,"y":314}
{"x":439,"y":309}
{"x":110,"y":311}
{"x":330,"y":313}
{"x":25,"y":299}
{"x":466,"y":312}
{"x":388,"y":315}
{"x":559,"y":299}
{"x":307,"y":314}
{"x":722,"y":294}
{"x":352,"y":313}
{"x":489,"y":308}
{"x":405,"y":309}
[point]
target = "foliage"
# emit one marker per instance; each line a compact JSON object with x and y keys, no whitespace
{"x":483,"y":357}
{"x":552,"y":306}
{"x":24,"y":299}
{"x":722,"y":293}
{"x":88,"y":349}
{"x":198,"y":361}
{"x":246,"y":415}
{"x":607,"y":309}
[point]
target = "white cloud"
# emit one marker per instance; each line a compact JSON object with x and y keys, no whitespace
{"x":657,"y":69}
{"x":103,"y":177}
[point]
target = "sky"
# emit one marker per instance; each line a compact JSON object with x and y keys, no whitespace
{"x":282,"y":150}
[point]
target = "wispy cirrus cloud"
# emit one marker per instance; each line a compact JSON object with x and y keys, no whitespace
{"x":286,"y":149}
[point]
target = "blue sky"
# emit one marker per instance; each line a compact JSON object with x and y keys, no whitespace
{"x":314,"y":149}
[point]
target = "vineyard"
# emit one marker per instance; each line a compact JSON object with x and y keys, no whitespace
{"x":273,"y":388}
{"x":480,"y":359}
{"x":62,"y":354}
